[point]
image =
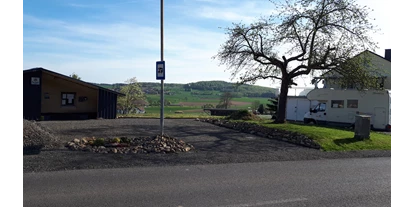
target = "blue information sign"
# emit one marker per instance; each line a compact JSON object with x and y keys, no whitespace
{"x":160,"y":70}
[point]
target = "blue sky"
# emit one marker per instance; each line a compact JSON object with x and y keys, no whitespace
{"x":109,"y":41}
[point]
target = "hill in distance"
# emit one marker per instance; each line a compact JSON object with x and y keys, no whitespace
{"x":209,"y":89}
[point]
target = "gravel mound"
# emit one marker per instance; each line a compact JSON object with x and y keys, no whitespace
{"x":36,"y":137}
{"x":155,"y":144}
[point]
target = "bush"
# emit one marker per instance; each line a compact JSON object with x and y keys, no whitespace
{"x":116,"y":140}
{"x":242,"y":115}
{"x":125,"y":140}
{"x":99,"y":142}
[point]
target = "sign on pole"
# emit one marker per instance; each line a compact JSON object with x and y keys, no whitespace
{"x":160,"y":70}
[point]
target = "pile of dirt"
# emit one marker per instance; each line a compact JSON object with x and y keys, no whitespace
{"x":123,"y":145}
{"x":36,"y":137}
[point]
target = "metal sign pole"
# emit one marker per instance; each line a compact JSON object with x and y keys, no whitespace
{"x":162,"y":59}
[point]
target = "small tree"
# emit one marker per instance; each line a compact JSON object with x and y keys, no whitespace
{"x":272,"y":106}
{"x":225,"y":100}
{"x":255,"y":105}
{"x":133,"y":92}
{"x":75,"y":76}
{"x":261,"y":109}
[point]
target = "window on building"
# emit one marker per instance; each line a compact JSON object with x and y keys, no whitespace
{"x":337,"y":104}
{"x":352,"y":104}
{"x":68,"y":99}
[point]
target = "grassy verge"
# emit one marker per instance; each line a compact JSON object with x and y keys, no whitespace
{"x":335,"y":139}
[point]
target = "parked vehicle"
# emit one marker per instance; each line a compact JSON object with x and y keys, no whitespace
{"x":339,"y":107}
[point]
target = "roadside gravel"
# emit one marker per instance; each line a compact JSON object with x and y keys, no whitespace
{"x":213,"y":145}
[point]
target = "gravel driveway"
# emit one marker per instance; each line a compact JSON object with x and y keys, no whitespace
{"x":213,"y":145}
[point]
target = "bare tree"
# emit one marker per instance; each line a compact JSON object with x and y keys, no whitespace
{"x":313,"y":36}
{"x":225,"y":100}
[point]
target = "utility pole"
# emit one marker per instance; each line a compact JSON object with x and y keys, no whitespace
{"x":162,"y":60}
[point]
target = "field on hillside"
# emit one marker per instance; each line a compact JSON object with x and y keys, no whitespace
{"x":195,"y":103}
{"x":190,"y":98}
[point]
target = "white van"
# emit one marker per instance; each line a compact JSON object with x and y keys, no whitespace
{"x":339,"y":107}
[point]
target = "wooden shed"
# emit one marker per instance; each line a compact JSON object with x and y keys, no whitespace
{"x":48,"y":95}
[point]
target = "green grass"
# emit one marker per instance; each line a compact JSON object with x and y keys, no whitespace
{"x":183,"y":97}
{"x":335,"y":139}
{"x":329,"y":138}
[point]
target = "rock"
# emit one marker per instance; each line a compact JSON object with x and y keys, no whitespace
{"x":187,"y":149}
{"x":113,"y":150}
{"x":76,"y":141}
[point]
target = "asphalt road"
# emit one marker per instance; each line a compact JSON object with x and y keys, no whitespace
{"x":337,"y":182}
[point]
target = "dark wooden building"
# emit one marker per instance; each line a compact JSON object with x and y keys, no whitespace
{"x":48,"y":95}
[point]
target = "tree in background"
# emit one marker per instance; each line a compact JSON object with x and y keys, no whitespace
{"x":261,"y":109}
{"x":272,"y":107}
{"x":208,"y":106}
{"x":75,"y":76}
{"x":133,"y":93}
{"x":225,"y":100}
{"x":255,"y":104}
{"x":302,"y":37}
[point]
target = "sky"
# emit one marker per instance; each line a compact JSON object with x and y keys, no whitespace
{"x":110,"y":41}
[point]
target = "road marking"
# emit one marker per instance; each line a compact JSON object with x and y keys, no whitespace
{"x":267,"y":202}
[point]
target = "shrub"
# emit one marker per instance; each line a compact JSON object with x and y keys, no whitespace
{"x":242,"y":115}
{"x":125,"y":140}
{"x":116,"y":140}
{"x":99,"y":142}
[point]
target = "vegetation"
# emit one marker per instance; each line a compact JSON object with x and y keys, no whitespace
{"x":255,"y":104}
{"x":133,"y":94}
{"x":261,"y":109}
{"x":320,"y":36}
{"x":99,"y":142}
{"x":202,"y":89}
{"x":242,"y":115}
{"x":335,"y":139}
{"x":225,"y":100}
{"x":75,"y":76}
{"x":272,"y":107}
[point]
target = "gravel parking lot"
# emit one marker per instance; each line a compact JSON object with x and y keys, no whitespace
{"x":213,"y":145}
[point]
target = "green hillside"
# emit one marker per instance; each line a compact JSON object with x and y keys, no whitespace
{"x":201,"y":89}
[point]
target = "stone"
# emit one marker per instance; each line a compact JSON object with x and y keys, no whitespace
{"x":76,"y":141}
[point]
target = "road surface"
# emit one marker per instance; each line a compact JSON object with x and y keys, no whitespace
{"x":332,"y":182}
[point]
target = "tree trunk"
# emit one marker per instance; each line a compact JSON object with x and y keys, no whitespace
{"x":281,"y":111}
